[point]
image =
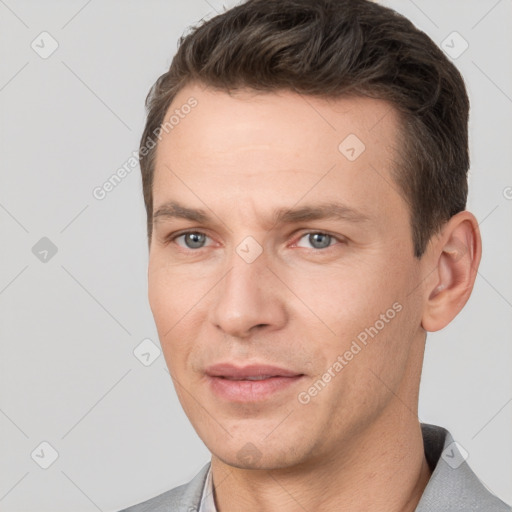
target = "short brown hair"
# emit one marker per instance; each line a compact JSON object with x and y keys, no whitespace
{"x":330,"y":49}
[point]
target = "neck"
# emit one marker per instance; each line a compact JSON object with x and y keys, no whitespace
{"x":390,"y":476}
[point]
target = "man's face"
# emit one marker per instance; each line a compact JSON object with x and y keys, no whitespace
{"x":260,"y":285}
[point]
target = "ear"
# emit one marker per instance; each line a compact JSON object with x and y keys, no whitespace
{"x":454,"y":256}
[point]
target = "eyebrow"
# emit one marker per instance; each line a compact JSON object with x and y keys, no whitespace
{"x":172,"y":209}
{"x":330,"y":210}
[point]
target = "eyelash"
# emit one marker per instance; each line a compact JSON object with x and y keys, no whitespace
{"x":173,"y":236}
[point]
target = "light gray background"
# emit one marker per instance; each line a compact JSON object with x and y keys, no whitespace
{"x":69,"y":326}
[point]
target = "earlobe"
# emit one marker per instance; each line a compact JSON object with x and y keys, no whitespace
{"x":455,"y":256}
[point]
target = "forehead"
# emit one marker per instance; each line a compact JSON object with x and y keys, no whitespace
{"x":290,"y":116}
{"x":248,"y":144}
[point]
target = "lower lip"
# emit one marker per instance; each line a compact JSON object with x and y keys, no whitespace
{"x":250,"y":390}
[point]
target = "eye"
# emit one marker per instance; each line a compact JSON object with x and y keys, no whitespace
{"x":317,"y":240}
{"x":191,"y":240}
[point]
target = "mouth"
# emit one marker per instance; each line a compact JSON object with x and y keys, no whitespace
{"x":253,"y":383}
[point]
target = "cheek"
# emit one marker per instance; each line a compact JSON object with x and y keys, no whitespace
{"x":362,"y":313}
{"x":161,"y":301}
{"x":172,"y":293}
{"x":168,"y":313}
{"x":345,"y":299}
{"x":176,"y":304}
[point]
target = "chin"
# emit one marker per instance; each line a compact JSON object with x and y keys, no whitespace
{"x":256,"y":457}
{"x":263,"y":464}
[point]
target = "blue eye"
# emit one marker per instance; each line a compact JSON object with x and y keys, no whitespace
{"x":197,"y":240}
{"x":318,"y":240}
{"x":192,"y":240}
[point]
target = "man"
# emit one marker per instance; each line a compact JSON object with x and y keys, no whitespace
{"x":304,"y":166}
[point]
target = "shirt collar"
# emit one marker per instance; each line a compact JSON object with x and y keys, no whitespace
{"x":207,"y":503}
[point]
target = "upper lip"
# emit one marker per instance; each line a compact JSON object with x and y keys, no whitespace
{"x":233,"y":371}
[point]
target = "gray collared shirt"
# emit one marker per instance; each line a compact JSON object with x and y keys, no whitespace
{"x":453,"y":487}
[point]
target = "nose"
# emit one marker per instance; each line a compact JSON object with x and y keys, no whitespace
{"x":249,"y":298}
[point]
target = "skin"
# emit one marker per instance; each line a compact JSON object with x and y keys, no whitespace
{"x":240,"y":157}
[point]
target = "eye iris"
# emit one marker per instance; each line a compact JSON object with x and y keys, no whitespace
{"x":319,"y":240}
{"x":194,"y":240}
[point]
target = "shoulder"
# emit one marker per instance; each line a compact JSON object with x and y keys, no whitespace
{"x":184,"y":498}
{"x":453,"y":486}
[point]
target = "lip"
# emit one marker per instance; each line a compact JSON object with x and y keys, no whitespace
{"x":230,"y":370}
{"x":227,"y":381}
